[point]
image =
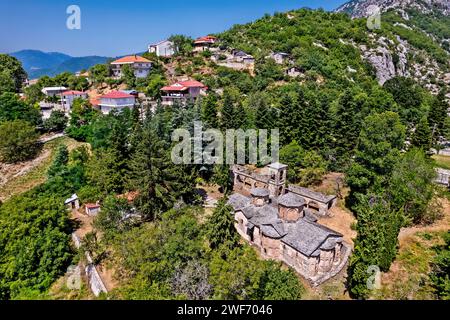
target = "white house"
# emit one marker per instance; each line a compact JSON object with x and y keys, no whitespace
{"x":67,"y":98}
{"x":140,"y":66}
{"x":92,"y":209}
{"x":116,"y":100}
{"x":164,"y":48}
{"x":53,"y":91}
{"x":279,"y":57}
{"x":242,"y":57}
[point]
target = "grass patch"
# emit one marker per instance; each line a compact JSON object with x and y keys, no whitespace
{"x":38,"y":173}
{"x":442,"y":161}
{"x":408,"y":278}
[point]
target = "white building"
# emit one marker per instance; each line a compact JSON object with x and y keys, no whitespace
{"x":279,"y":57}
{"x":53,"y":91}
{"x":140,"y":66}
{"x":164,"y":48}
{"x":116,"y":100}
{"x":67,"y":98}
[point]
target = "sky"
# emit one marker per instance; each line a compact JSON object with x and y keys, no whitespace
{"x":114,"y":28}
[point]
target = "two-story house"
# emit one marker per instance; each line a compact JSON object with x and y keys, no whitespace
{"x":164,"y":48}
{"x":67,"y":98}
{"x":116,"y":100}
{"x":139,"y":65}
{"x":182,"y":91}
{"x":204,"y":43}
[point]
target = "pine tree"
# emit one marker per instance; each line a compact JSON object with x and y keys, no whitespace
{"x":376,"y":244}
{"x":437,"y":116}
{"x":220,"y":227}
{"x":152,"y":175}
{"x":60,"y":162}
{"x":209,"y":112}
{"x":346,"y":125}
{"x":160,"y":183}
{"x":227,"y":120}
{"x":422,"y":136}
{"x":289,"y":119}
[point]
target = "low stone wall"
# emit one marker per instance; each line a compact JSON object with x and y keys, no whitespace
{"x":95,"y":281}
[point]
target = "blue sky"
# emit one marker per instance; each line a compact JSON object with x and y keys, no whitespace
{"x":114,"y":28}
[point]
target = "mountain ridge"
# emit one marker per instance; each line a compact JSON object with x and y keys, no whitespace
{"x":39,"y":63}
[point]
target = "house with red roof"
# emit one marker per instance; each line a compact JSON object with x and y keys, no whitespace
{"x":92,"y":209}
{"x":182,"y":91}
{"x":67,"y":98}
{"x":116,"y":100}
{"x":204,"y":43}
{"x":140,"y":66}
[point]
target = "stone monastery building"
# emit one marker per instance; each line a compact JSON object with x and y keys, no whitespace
{"x":282,"y":222}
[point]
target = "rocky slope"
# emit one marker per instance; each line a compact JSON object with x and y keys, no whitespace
{"x":414,"y":40}
{"x":359,"y":8}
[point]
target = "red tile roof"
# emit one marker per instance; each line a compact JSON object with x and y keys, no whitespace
{"x":94,"y":101}
{"x":116,"y":95}
{"x":207,"y":39}
{"x":73,"y":93}
{"x":92,"y":206}
{"x":131,"y":59}
{"x":183,"y":85}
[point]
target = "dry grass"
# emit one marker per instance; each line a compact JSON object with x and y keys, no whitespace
{"x":21,"y":177}
{"x":407,"y":278}
{"x":442,"y":161}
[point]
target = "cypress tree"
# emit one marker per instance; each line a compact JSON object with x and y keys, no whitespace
{"x":209,"y":112}
{"x":437,"y":115}
{"x":422,"y":136}
{"x":227,"y":120}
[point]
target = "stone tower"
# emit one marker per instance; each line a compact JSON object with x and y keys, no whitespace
{"x":277,"y":182}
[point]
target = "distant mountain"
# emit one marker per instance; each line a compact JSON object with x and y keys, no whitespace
{"x":38,"y":63}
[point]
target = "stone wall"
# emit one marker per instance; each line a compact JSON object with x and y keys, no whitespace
{"x":95,"y":281}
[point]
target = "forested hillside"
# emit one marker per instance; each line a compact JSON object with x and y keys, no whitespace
{"x":369,"y":105}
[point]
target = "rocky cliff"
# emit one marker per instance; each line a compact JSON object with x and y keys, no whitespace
{"x":414,"y":40}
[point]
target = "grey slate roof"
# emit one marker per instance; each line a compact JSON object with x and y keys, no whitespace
{"x":291,"y":200}
{"x":317,"y":196}
{"x":238,"y":201}
{"x":277,"y":166}
{"x":307,"y":237}
{"x":259,"y":192}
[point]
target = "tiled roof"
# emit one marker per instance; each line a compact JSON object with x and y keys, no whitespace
{"x":116,"y":95}
{"x":317,"y":196}
{"x":183,"y":85}
{"x":73,"y":93}
{"x":207,"y":39}
{"x":131,"y":59}
{"x":291,"y":200}
{"x":92,"y":206}
{"x":259,"y":192}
